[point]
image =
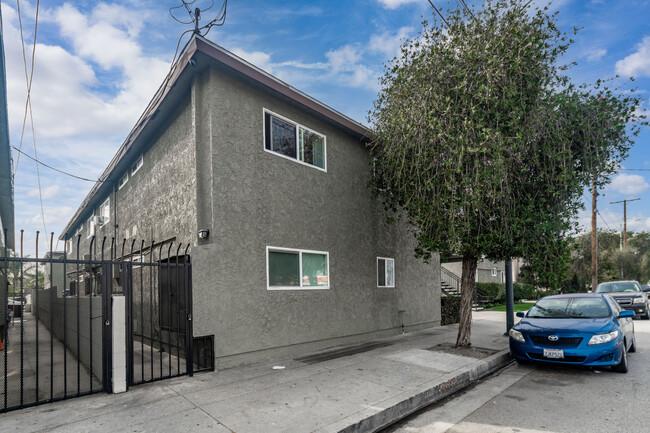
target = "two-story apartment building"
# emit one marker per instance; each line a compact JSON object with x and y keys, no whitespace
{"x":268,"y":187}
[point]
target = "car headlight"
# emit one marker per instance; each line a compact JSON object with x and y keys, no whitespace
{"x":638,"y":300}
{"x":603,"y":338}
{"x":517,"y":335}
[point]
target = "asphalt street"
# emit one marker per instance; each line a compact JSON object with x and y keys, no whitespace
{"x":558,"y":399}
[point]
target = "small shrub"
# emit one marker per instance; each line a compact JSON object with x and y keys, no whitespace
{"x":496,"y":291}
{"x":449,"y":310}
{"x":523,"y":291}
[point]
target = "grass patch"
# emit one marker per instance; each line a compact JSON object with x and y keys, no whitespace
{"x":519,"y":306}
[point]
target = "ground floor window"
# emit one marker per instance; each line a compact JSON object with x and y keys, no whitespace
{"x":289,"y":269}
{"x":385,"y":272}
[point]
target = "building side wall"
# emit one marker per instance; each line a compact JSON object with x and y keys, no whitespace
{"x":157,"y":203}
{"x":260,"y":199}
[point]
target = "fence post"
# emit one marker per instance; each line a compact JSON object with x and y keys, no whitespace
{"x":119,"y":344}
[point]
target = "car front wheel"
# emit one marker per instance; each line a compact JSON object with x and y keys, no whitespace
{"x":621,"y":367}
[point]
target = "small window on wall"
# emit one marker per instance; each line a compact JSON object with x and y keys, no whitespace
{"x":291,"y":140}
{"x":124,"y":180}
{"x":494,"y":272}
{"x":105,"y":211}
{"x":136,"y":166}
{"x":289,"y":269}
{"x":385,"y":272}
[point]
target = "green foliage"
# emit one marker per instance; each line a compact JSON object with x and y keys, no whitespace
{"x":614,"y":263}
{"x":484,"y":144}
{"x":449,"y":310}
{"x":497,"y":291}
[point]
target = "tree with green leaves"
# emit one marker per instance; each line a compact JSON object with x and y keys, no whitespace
{"x":475,"y":141}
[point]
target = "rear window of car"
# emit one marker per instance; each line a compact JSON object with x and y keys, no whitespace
{"x":629,"y":286}
{"x":569,"y":308}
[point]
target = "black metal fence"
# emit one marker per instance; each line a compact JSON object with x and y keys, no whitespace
{"x":57,"y":339}
{"x":157,"y":286}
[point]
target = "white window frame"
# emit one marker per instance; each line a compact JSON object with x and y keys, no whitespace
{"x":91,"y":226}
{"x":494,"y":272}
{"x":298,"y":126}
{"x":137,"y":165}
{"x":107,"y":216}
{"x":385,"y":272}
{"x":68,"y":246}
{"x":299,"y":252}
{"x":123,"y":181}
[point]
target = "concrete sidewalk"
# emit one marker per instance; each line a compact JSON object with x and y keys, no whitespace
{"x":348,"y":388}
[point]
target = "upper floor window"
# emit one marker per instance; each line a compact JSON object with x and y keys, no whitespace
{"x":294,"y":141}
{"x":105,"y":212}
{"x":136,"y":166}
{"x":91,"y":226}
{"x":124,"y":180}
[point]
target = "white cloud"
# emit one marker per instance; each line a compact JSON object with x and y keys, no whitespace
{"x":394,"y":4}
{"x":389,"y":44}
{"x":258,"y":58}
{"x":595,"y":54}
{"x":47,"y":192}
{"x":636,"y":64}
{"x":629,"y":184}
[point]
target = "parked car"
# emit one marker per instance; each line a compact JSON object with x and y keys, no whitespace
{"x":580,"y":329}
{"x":629,"y":295}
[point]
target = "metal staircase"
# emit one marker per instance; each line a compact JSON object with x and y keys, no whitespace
{"x":450,"y":286}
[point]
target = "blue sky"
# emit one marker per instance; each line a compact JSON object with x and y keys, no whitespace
{"x":97,"y":64}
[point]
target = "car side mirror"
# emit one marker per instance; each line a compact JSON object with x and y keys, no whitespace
{"x":625,"y":313}
{"x":520,"y":314}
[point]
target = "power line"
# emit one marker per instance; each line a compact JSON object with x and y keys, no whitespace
{"x":634,"y":169}
{"x":601,"y":217}
{"x":56,"y":169}
{"x":467,"y":9}
{"x":436,"y":9}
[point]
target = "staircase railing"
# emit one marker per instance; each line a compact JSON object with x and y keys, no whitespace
{"x":450,"y":279}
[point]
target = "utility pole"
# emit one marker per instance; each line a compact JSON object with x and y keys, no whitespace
{"x":624,"y":218}
{"x":594,"y":236}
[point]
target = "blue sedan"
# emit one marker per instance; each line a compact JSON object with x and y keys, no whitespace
{"x":580,"y":329}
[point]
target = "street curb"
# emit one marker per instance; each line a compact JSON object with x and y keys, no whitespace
{"x":411,"y":401}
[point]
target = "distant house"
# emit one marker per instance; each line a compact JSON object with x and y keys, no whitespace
{"x":268,"y":186}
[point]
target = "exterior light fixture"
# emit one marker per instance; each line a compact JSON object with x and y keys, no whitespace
{"x":203,"y":234}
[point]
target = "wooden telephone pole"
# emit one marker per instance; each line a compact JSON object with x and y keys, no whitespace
{"x":624,"y":217}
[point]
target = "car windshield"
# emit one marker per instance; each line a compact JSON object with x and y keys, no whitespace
{"x":628,"y":286}
{"x":574,"y":308}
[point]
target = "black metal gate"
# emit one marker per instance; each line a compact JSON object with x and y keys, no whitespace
{"x":157,"y":284}
{"x":55,"y":325}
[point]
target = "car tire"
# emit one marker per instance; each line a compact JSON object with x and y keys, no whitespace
{"x":621,"y":367}
{"x":632,"y":348}
{"x":521,"y":361}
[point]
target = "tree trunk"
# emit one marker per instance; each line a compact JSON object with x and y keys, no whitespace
{"x":466,"y":298}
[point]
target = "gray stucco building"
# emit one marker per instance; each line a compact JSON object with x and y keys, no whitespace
{"x":293,"y":255}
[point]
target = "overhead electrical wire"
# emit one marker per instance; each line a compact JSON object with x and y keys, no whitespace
{"x":29,"y":78}
{"x":436,"y":9}
{"x":54,"y":168}
{"x":601,"y":217}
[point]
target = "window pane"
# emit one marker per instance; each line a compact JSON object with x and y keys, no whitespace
{"x":283,"y":269}
{"x":381,"y":272}
{"x":314,"y":270}
{"x":284,"y":137}
{"x":312,"y":148}
{"x":390,"y":273}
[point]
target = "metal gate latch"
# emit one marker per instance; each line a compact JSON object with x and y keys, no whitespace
{"x":107,"y":323}
{"x":189,"y":317}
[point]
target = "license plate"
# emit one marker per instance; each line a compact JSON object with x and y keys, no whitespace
{"x":554,"y":353}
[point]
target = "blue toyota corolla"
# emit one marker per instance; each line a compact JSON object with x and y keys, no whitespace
{"x":582,"y":329}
